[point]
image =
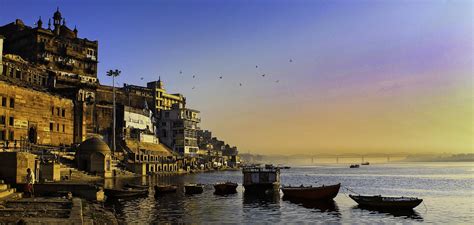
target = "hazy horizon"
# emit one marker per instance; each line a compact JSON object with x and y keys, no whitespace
{"x":340,"y":76}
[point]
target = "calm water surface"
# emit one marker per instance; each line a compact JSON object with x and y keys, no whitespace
{"x":446,"y":188}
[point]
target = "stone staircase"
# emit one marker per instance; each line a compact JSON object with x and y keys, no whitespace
{"x":8,"y":193}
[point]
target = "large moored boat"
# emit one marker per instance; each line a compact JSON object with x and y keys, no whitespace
{"x":261,"y":179}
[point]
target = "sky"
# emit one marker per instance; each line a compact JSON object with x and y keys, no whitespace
{"x":340,"y":76}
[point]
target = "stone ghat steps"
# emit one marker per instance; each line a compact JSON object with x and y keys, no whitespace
{"x":7,"y":193}
{"x":4,"y":187}
{"x":57,"y":213}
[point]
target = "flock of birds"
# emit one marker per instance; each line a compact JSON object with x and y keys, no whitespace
{"x":221,"y":77}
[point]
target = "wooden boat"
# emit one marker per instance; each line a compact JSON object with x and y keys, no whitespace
{"x":128,"y":185}
{"x":311,"y":193}
{"x":354,"y":166}
{"x":259,"y":179}
{"x":124,"y":193}
{"x":191,"y":189}
{"x":365,"y":163}
{"x":323,"y":205}
{"x":225,"y":188}
{"x":162,"y":189}
{"x":380,"y":202}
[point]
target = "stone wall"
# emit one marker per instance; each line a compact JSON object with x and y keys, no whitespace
{"x":14,"y":165}
{"x":36,"y":116}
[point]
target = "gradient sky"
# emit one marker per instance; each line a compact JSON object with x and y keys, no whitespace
{"x":366,"y":76}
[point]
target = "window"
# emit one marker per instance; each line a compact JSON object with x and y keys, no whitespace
{"x":2,"y":120}
{"x":64,"y":128}
{"x":57,"y":110}
{"x":163,"y":133}
{"x":11,"y":135}
{"x":4,"y":101}
{"x":50,"y":126}
{"x":3,"y":135}
{"x":57,"y":127}
{"x":167,"y":114}
{"x":12,"y":103}
{"x":12,"y":121}
{"x":52,"y":111}
{"x":63,"y":113}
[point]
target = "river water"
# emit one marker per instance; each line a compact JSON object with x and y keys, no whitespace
{"x":446,"y":188}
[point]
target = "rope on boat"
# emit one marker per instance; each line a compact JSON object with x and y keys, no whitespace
{"x":351,"y":190}
{"x":426,"y":208}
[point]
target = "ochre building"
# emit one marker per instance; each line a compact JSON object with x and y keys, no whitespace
{"x":36,"y":116}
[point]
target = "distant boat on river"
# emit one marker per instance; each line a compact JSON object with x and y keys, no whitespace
{"x":311,"y":193}
{"x":354,"y":166}
{"x":365,"y":163}
{"x":380,"y":202}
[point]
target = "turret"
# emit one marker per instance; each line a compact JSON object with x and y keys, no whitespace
{"x":39,"y":23}
{"x":57,"y":21}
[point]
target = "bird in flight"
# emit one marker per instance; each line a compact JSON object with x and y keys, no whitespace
{"x":141,"y":78}
{"x":263,"y":75}
{"x":277,"y":81}
{"x":194,"y":87}
{"x":240,"y":84}
{"x":256,"y":66}
{"x":220,"y":77}
{"x":180,"y":72}
{"x":194,"y":76}
{"x":291,"y":60}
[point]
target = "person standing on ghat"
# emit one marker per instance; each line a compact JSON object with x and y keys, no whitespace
{"x":30,"y":181}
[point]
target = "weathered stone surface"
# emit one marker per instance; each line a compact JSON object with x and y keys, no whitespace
{"x":14,"y":165}
{"x":39,"y":117}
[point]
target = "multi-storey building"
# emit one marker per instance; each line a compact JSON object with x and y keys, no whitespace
{"x":33,"y":116}
{"x":58,"y":48}
{"x":163,"y":100}
{"x":54,"y":59}
{"x":178,"y":129}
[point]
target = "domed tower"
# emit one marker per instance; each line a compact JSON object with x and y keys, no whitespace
{"x":57,"y":18}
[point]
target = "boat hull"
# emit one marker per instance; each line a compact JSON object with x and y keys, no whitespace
{"x":193,"y":189}
{"x":225,"y":188}
{"x":312,"y":193}
{"x":136,"y":186}
{"x":165,"y":189}
{"x":120,"y":193}
{"x":379,"y":202}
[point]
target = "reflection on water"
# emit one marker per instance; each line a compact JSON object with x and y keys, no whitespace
{"x":263,"y":200}
{"x":407,"y":214}
{"x":448,"y":200}
{"x":322,"y":206}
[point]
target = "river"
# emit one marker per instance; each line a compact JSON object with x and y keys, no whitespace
{"x":446,"y":188}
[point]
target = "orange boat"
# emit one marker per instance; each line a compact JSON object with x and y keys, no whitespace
{"x":312,"y":193}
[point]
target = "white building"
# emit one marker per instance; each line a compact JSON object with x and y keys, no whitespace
{"x":136,"y":124}
{"x":178,"y":128}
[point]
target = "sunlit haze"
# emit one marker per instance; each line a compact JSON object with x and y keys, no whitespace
{"x":340,"y":76}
